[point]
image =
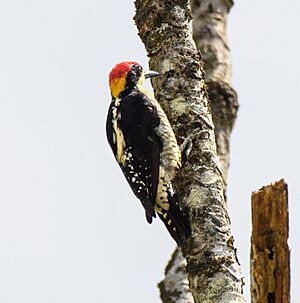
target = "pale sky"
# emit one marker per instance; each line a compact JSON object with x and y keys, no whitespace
{"x":70,"y":228}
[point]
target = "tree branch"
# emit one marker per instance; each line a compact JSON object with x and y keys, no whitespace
{"x":175,"y":287}
{"x":212,"y":267}
{"x":209,"y":33}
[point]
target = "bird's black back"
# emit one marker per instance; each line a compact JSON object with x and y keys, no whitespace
{"x":137,"y":120}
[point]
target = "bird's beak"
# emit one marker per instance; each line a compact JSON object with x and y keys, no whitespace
{"x":151,"y":74}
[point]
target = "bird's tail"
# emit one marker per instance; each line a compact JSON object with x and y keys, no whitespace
{"x":175,"y":220}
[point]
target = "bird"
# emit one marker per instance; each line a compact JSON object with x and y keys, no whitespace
{"x":145,"y":147}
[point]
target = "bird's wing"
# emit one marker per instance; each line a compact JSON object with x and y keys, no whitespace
{"x":137,"y":121}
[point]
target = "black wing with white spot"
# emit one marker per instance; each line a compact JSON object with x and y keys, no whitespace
{"x":133,"y":119}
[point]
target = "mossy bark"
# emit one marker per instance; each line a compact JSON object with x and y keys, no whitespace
{"x":212,"y":267}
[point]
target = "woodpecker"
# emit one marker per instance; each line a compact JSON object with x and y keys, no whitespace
{"x":145,"y":146}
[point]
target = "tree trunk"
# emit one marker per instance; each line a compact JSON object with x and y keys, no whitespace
{"x":209,"y":33}
{"x":212,"y":267}
{"x":270,"y":255}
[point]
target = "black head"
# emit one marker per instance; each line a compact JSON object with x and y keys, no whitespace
{"x":134,"y":76}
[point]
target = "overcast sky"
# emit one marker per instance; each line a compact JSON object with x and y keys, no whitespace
{"x":70,"y":228}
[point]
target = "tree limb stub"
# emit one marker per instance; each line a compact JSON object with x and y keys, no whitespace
{"x":212,"y":267}
{"x":270,"y":256}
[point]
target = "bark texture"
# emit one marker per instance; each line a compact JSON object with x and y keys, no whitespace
{"x":175,"y":286}
{"x":209,"y":33}
{"x":270,"y":256}
{"x":213,"y":270}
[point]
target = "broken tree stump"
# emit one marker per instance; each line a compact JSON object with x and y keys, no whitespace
{"x":270,"y":255}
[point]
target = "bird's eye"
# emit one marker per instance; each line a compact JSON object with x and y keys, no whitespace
{"x":137,"y":70}
{"x":134,"y":75}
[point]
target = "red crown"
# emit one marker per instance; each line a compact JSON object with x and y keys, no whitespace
{"x":120,"y":70}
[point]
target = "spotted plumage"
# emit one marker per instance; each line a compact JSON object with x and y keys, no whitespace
{"x":145,"y":147}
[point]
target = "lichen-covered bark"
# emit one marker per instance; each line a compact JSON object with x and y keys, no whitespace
{"x":270,"y":255}
{"x":213,"y":271}
{"x":175,"y":286}
{"x":209,"y":33}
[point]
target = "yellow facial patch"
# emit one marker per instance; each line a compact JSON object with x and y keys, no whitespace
{"x":141,"y":81}
{"x":117,"y":85}
{"x":140,"y":85}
